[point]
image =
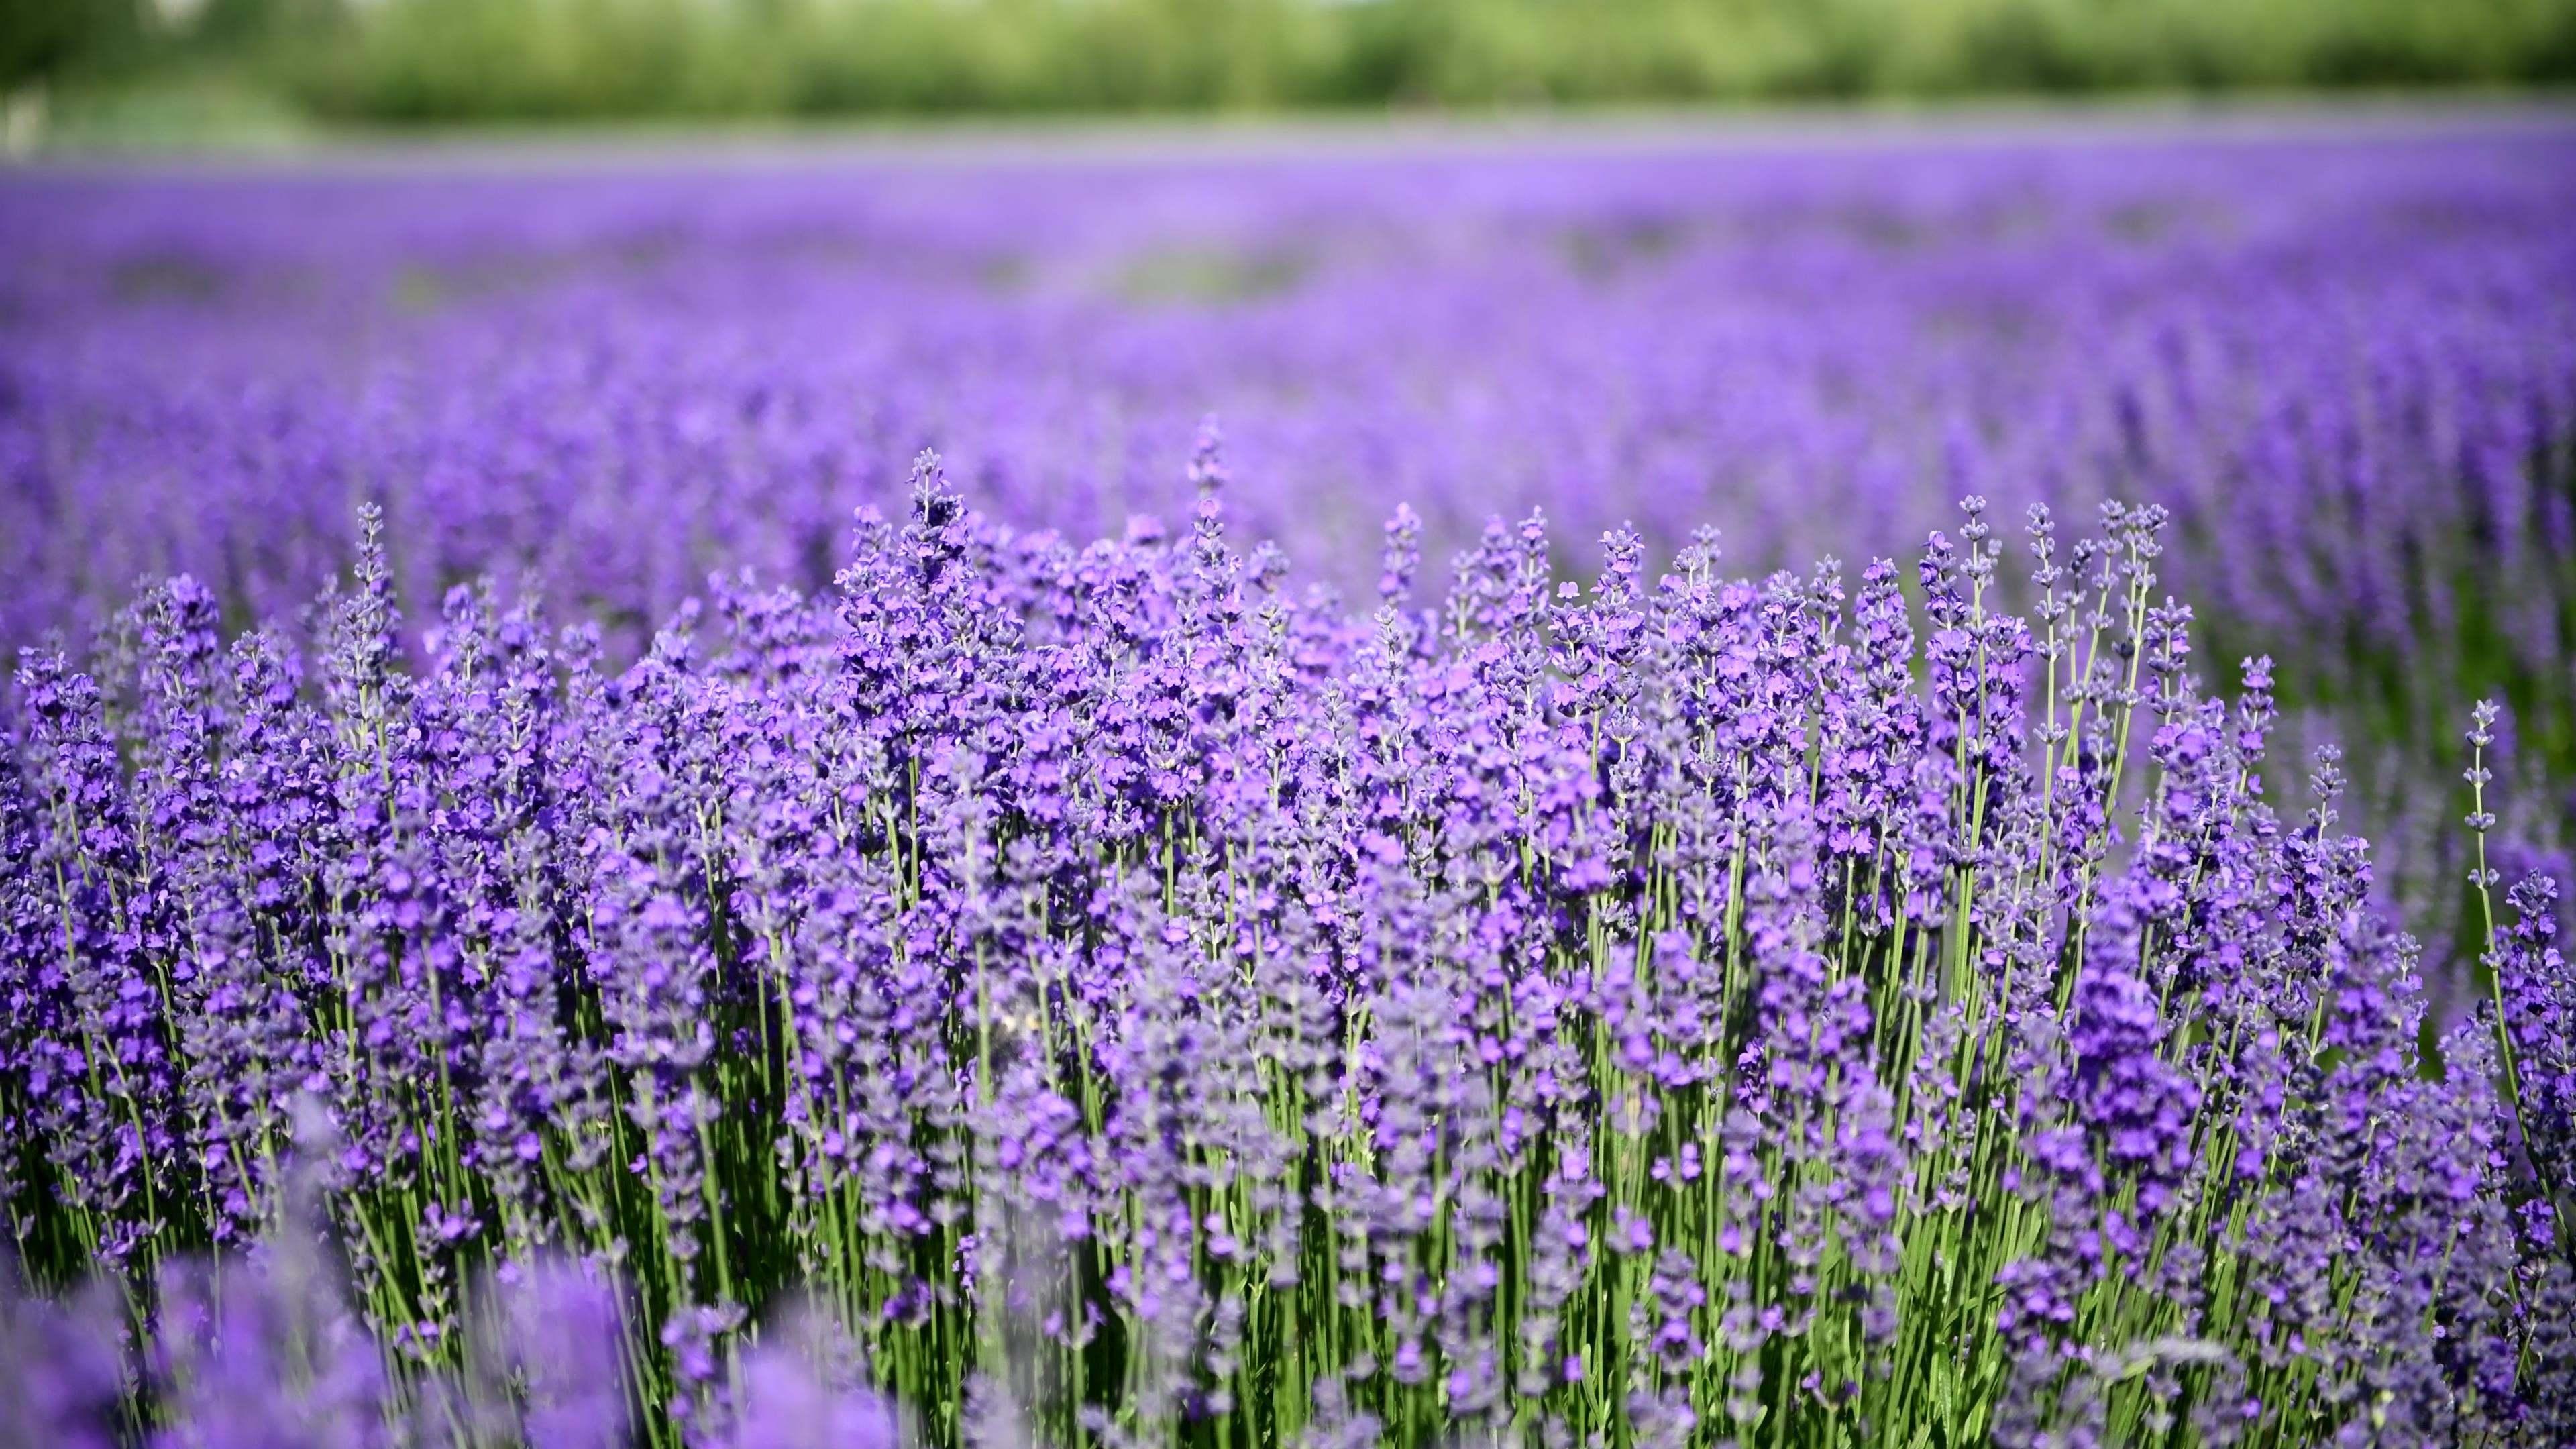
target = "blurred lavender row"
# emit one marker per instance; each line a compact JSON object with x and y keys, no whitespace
{"x":264,"y":1349}
{"x":2347,"y":366}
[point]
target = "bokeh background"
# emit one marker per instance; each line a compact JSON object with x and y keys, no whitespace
{"x":208,"y":69}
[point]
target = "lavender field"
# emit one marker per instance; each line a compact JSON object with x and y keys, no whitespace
{"x":1596,"y":791}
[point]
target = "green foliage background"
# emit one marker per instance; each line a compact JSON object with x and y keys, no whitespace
{"x":464,"y":60}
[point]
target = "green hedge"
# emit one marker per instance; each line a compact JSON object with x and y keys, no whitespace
{"x":425,"y":60}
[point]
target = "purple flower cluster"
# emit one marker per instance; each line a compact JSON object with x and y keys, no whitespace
{"x":1125,"y":995}
{"x":263,"y":1350}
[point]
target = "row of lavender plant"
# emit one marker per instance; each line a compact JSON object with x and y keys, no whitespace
{"x":1138,"y":1002}
{"x":2338,"y":353}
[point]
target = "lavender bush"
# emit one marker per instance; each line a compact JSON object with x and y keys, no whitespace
{"x":1126,"y":996}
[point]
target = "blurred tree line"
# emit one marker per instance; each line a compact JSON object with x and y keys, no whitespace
{"x":460,"y":60}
